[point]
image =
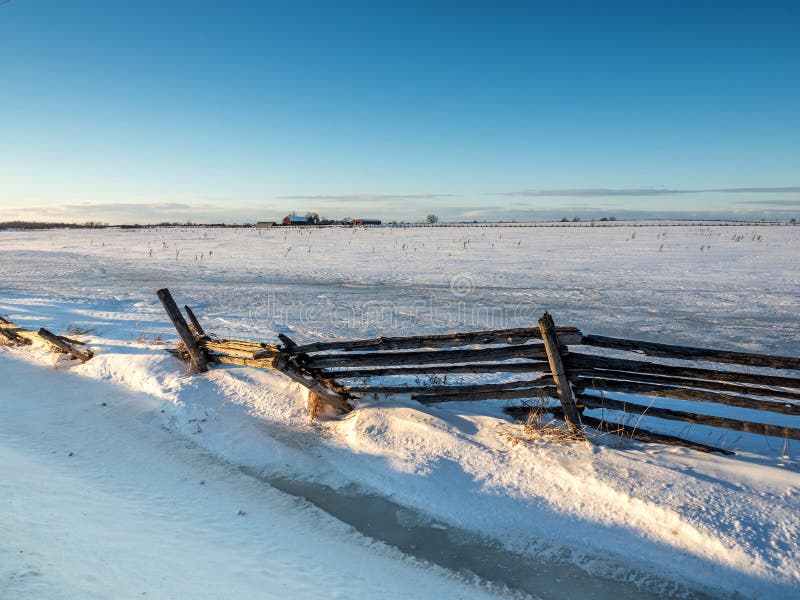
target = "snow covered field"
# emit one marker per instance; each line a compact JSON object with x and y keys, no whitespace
{"x":657,"y":520}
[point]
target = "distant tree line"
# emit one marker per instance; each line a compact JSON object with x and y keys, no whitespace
{"x":43,"y":225}
{"x":101,"y":225}
{"x":314,"y":217}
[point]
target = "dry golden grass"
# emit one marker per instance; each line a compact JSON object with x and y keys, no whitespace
{"x":539,"y":426}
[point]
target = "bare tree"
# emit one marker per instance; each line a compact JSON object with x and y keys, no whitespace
{"x":431,"y":218}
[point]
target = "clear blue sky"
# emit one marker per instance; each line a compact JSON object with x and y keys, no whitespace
{"x":237,"y":110}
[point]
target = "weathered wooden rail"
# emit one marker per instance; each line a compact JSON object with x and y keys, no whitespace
{"x":14,"y":335}
{"x":585,"y":384}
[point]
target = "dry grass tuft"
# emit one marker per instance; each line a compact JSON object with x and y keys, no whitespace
{"x":158,"y":340}
{"x":78,"y":330}
{"x":539,"y":426}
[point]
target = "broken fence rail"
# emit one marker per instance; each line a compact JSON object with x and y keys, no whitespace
{"x":11,"y":334}
{"x":340,"y":372}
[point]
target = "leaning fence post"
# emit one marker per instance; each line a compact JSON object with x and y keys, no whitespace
{"x":198,"y":360}
{"x":553,"y":349}
{"x":288,"y":342}
{"x":194,"y":323}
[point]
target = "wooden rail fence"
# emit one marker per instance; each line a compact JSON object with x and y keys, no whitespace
{"x":13,"y":335}
{"x":338,"y":373}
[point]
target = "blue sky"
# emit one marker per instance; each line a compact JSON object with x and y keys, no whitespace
{"x":243,"y":110}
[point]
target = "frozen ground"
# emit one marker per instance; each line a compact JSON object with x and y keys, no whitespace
{"x":650,"y":515}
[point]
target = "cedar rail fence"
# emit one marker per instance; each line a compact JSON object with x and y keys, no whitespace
{"x":14,"y":335}
{"x":340,"y":372}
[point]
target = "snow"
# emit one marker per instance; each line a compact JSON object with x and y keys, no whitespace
{"x":645,"y":514}
{"x":98,"y":503}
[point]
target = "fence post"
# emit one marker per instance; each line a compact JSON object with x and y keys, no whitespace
{"x":198,"y":360}
{"x":194,"y":323}
{"x":553,"y":348}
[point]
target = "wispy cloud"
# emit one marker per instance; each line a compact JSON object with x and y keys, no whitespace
{"x":788,"y":203}
{"x":365,"y":197}
{"x":760,"y":190}
{"x":641,"y":192}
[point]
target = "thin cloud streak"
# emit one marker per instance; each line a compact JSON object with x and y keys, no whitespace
{"x":791,"y":203}
{"x":621,"y":192}
{"x":365,"y":197}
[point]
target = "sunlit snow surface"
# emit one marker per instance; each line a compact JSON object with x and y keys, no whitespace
{"x":627,"y":511}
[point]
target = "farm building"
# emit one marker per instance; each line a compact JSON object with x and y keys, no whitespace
{"x":362,"y":222}
{"x":266,"y":224}
{"x":297,"y":220}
